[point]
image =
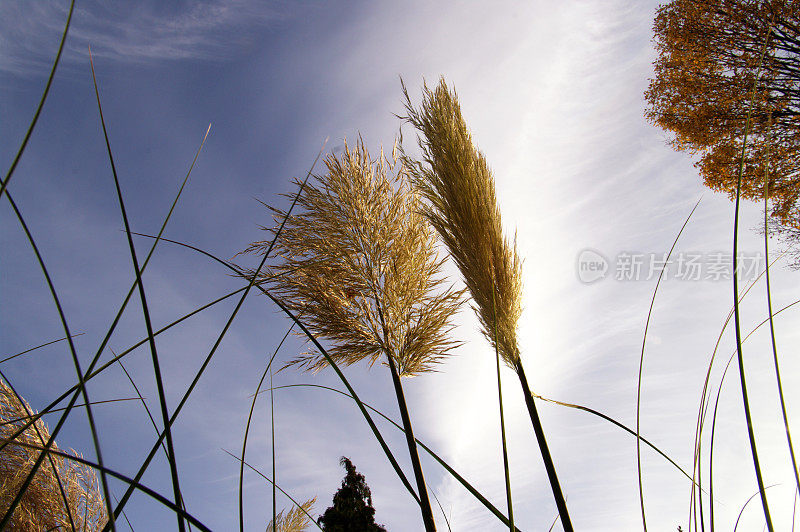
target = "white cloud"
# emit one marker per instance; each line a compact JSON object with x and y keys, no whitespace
{"x":130,"y":32}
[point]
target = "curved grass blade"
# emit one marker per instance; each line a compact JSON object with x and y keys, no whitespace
{"x":173,"y":459}
{"x":338,"y":372}
{"x":705,"y":400}
{"x":76,"y":363}
{"x":772,"y":327}
{"x":461,"y":479}
{"x":131,"y":482}
{"x":149,"y":415}
{"x":711,"y":448}
{"x":89,"y":376}
{"x":54,"y":410}
{"x":422,"y":490}
{"x":714,"y":419}
{"x":76,"y":389}
{"x":24,"y":408}
{"x":10,"y":172}
{"x":37,"y":347}
{"x":210,"y":355}
{"x":641,"y":365}
{"x":262,"y":475}
{"x":750,"y":434}
{"x":80,"y":386}
{"x":620,"y":425}
{"x":446,"y":520}
{"x":247,"y":432}
{"x":753,"y":496}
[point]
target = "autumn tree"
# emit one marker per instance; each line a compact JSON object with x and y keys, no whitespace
{"x":352,"y":509}
{"x":711,"y":54}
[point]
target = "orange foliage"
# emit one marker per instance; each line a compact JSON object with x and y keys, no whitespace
{"x":708,"y":59}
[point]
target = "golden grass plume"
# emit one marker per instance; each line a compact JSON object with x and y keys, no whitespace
{"x":360,"y":268}
{"x":295,"y":520}
{"x":458,"y":185}
{"x":42,"y":507}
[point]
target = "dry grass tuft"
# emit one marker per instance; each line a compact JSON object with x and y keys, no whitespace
{"x":359,"y":267}
{"x":295,"y":520}
{"x":42,"y":507}
{"x":462,"y":206}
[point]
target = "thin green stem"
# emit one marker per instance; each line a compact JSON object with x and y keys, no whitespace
{"x":173,"y":460}
{"x":737,"y":326}
{"x":561,"y":503}
{"x":134,"y":484}
{"x":54,"y":410}
{"x":753,"y":496}
{"x":37,"y":347}
{"x":424,"y":501}
{"x":772,"y":326}
{"x":149,"y":415}
{"x":502,"y":420}
{"x":489,"y":506}
{"x":446,"y":520}
{"x":217,"y":343}
{"x":262,"y":475}
{"x":51,"y":441}
{"x":10,"y":172}
{"x":247,"y":433}
{"x":80,"y":387}
{"x":705,"y":400}
{"x":272,"y":436}
{"x":641,"y":367}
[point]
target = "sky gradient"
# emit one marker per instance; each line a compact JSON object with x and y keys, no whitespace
{"x":553,"y":98}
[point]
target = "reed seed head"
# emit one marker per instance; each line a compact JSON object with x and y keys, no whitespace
{"x":459,"y":188}
{"x":42,"y":507}
{"x":358,"y":264}
{"x":295,"y":520}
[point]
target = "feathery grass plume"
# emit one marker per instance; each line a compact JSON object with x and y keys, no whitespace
{"x":42,"y":507}
{"x":359,"y":266}
{"x":295,"y":520}
{"x":455,"y":179}
{"x":459,"y":187}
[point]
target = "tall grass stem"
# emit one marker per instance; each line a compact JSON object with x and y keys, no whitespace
{"x":173,"y":460}
{"x":641,"y":366}
{"x":550,"y":468}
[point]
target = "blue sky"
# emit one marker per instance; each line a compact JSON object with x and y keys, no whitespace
{"x":553,"y":97}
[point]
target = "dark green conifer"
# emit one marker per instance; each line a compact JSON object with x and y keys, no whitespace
{"x":352,"y":509}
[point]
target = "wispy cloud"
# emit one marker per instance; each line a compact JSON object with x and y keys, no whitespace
{"x":131,"y":32}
